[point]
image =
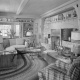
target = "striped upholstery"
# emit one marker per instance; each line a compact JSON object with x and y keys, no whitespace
{"x":54,"y":72}
{"x":74,"y":70}
{"x":73,"y":66}
{"x":75,"y":75}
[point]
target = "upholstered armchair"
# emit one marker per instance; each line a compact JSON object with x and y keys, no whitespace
{"x":56,"y":72}
{"x":74,"y":71}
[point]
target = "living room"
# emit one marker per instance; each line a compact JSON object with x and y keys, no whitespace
{"x":39,"y":38}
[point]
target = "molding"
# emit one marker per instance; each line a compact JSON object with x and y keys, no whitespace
{"x":21,"y":6}
{"x":11,"y":17}
{"x":26,"y":16}
{"x":60,"y":8}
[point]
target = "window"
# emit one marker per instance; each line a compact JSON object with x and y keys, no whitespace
{"x":4,"y":30}
{"x":17,"y":30}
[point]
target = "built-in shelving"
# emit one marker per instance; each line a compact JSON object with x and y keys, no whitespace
{"x":12,"y":20}
{"x":50,"y":22}
{"x":62,"y":16}
{"x":27,"y":27}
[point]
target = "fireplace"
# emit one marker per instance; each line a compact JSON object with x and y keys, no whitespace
{"x":55,"y":41}
{"x":55,"y":38}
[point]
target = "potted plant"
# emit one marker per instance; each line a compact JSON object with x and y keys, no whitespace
{"x":11,"y":34}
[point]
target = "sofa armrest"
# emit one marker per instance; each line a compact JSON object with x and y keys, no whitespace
{"x":60,"y":71}
{"x":63,"y":71}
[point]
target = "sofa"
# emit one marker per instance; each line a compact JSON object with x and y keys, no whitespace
{"x":7,"y":51}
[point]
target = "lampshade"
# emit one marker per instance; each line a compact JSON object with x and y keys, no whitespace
{"x":75,"y":35}
{"x":28,"y":33}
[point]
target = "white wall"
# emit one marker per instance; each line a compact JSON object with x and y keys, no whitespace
{"x":37,"y":29}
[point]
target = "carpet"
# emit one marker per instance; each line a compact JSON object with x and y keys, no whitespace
{"x":28,"y":70}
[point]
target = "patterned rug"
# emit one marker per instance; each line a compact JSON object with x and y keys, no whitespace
{"x":27,"y":70}
{"x":23,"y":65}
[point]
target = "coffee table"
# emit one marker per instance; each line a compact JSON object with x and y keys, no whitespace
{"x":30,"y":51}
{"x":5,"y":60}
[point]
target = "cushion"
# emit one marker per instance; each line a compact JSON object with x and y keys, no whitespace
{"x":12,"y":48}
{"x":12,"y":42}
{"x":59,"y":69}
{"x":19,"y":41}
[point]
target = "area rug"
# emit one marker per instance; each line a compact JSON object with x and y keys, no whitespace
{"x":27,"y":71}
{"x":23,"y":65}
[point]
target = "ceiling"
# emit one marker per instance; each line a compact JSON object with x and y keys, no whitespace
{"x":28,"y":8}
